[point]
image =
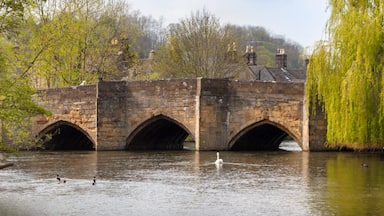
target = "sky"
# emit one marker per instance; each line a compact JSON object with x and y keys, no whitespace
{"x":301,"y":21}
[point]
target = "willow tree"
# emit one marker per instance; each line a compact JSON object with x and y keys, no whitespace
{"x":198,"y":46}
{"x":345,"y":75}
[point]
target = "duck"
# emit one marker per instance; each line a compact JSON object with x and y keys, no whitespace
{"x":94,"y":180}
{"x":58,"y":178}
{"x":364,"y":165}
{"x":218,"y":161}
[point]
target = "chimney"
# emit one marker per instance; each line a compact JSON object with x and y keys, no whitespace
{"x":231,"y":54}
{"x":250,"y":55}
{"x":281,"y":58}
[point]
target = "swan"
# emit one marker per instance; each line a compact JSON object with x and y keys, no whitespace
{"x":218,"y":161}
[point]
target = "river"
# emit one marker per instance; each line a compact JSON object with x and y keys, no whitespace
{"x":189,"y":183}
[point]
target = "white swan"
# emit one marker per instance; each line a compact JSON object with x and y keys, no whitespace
{"x":218,"y":161}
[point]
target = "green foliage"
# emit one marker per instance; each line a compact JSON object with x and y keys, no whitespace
{"x":16,"y":104}
{"x":11,"y":15}
{"x":194,"y":42}
{"x":198,"y":47}
{"x":68,"y":42}
{"x":345,"y":75}
{"x":266,"y":45}
{"x":16,"y":110}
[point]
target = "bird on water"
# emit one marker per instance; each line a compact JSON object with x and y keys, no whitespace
{"x":59,"y":179}
{"x":218,"y":161}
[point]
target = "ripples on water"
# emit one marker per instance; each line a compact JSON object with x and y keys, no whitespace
{"x":188,"y":183}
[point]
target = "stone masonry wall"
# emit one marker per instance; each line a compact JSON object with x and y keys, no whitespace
{"x":125,"y":105}
{"x":278,"y":103}
{"x":212,"y":111}
{"x":76,"y":105}
{"x":213,"y":125}
{"x":317,"y":130}
{"x":229,"y":106}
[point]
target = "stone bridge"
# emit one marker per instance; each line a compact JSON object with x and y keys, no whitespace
{"x":197,"y":114}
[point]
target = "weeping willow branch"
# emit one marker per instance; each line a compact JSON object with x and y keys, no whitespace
{"x":345,"y":75}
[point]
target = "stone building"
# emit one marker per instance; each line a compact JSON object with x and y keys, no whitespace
{"x":280,"y":73}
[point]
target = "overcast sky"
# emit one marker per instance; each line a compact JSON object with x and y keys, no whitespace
{"x":302,"y":21}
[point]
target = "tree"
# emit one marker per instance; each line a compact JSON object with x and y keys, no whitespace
{"x":345,"y":75}
{"x":198,"y":47}
{"x":16,"y":110}
{"x":16,"y":104}
{"x":266,"y":45}
{"x":152,"y":34}
{"x":11,"y":14}
{"x":79,"y":40}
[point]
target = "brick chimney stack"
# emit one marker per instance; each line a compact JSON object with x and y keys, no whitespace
{"x":281,"y":58}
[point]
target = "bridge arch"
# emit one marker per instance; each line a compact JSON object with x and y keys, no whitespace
{"x":64,"y":135}
{"x":158,"y":133}
{"x":264,"y":135}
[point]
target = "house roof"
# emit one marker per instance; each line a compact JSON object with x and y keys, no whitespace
{"x":277,"y":74}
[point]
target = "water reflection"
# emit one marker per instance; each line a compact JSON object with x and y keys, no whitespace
{"x":189,"y":183}
{"x":362,"y":191}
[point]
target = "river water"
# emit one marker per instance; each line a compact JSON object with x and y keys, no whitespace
{"x":189,"y":183}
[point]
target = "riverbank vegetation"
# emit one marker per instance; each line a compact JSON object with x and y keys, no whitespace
{"x":345,"y":75}
{"x":63,"y":43}
{"x":16,"y":104}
